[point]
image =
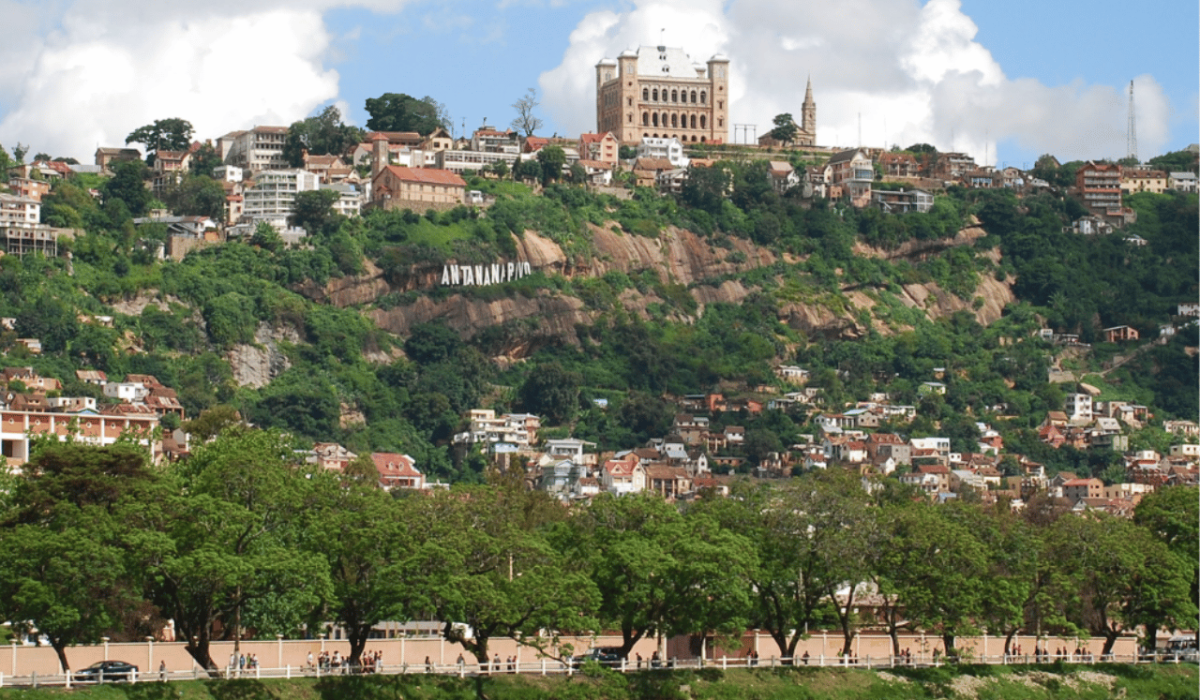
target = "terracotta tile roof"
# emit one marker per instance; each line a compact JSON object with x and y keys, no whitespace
{"x":393,"y":465}
{"x":430,"y":176}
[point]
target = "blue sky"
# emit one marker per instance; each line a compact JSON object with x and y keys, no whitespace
{"x":1005,"y":81}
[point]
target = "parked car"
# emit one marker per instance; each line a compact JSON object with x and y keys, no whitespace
{"x":105,"y":671}
{"x":606,"y":656}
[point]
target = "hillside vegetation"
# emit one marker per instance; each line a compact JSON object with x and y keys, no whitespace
{"x":349,"y":339}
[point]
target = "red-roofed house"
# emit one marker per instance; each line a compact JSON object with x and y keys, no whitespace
{"x":602,"y":147}
{"x":1076,"y":490}
{"x":623,"y":474}
{"x":419,"y":189}
{"x":397,"y":471}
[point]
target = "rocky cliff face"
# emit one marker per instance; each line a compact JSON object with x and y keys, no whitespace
{"x":256,"y":365}
{"x":677,"y":256}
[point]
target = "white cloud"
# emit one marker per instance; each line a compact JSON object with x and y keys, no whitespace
{"x":77,"y":74}
{"x":901,"y":72}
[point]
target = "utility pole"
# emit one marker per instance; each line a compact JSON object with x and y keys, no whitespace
{"x":1131,"y":132}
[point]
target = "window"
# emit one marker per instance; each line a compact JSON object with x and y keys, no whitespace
{"x":655,"y":93}
{"x":630,"y":102}
{"x":674,"y":120}
{"x":693,"y":125}
{"x":645,"y":119}
{"x":645,"y":94}
{"x":720,"y":104}
{"x":703,"y":97}
{"x":693,"y":97}
{"x":703,"y":122}
{"x":631,"y":117}
{"x":655,"y":119}
{"x":674,"y":95}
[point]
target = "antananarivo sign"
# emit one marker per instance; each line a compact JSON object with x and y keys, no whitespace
{"x":479,"y":275}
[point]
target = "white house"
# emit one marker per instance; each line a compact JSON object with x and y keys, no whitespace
{"x":670,"y":149}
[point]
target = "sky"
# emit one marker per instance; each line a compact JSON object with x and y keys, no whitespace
{"x":1004,"y":81}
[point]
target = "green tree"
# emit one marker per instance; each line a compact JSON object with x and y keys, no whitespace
{"x":399,"y":112}
{"x":163,"y":135}
{"x":529,"y":170}
{"x":323,"y":134}
{"x":660,"y":573}
{"x":128,"y":186}
{"x":526,"y":121}
{"x":196,"y":195}
{"x":360,"y":531}
{"x":1113,"y":574}
{"x":552,"y":159}
{"x":233,"y":543}
{"x":785,"y":128}
{"x":552,"y":392}
{"x":788,"y":588}
{"x":313,"y":211}
{"x":485,"y":566}
{"x":1172,"y":515}
{"x":936,"y":567}
{"x":204,"y":160}
{"x":706,"y":188}
{"x":67,"y":563}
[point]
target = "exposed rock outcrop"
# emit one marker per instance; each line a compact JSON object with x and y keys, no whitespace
{"x":256,"y":365}
{"x":677,"y":256}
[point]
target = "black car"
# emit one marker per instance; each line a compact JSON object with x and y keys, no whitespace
{"x":606,"y":656}
{"x":103,"y":671}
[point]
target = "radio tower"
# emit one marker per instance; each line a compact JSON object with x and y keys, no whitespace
{"x":1131,"y":136}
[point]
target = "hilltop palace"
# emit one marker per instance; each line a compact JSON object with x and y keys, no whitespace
{"x":659,"y":92}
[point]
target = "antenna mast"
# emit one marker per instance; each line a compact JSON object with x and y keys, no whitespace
{"x":1131,"y":135}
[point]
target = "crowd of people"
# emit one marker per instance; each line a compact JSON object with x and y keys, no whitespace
{"x":369,"y":662}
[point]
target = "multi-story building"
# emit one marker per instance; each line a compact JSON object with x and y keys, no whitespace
{"x":104,"y":428}
{"x":603,"y":148}
{"x":273,"y":194}
{"x":1139,"y":180}
{"x":256,"y":150}
{"x":670,"y":150}
{"x":901,"y":201}
{"x":659,"y":92}
{"x":853,"y":172}
{"x":1079,"y":407}
{"x":350,"y":198}
{"x":1099,"y":187}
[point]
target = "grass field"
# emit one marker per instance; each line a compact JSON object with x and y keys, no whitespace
{"x":1057,"y":682}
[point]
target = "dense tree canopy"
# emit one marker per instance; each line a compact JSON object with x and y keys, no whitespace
{"x":399,"y":112}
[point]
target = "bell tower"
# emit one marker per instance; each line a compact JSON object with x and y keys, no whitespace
{"x":808,"y":113}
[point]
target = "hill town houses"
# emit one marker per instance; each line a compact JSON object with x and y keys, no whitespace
{"x":705,"y":451}
{"x":659,"y":114}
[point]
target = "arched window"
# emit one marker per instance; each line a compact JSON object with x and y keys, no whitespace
{"x":693,"y":97}
{"x":703,"y":139}
{"x":655,"y":94}
{"x":703,"y":120}
{"x":703,"y":97}
{"x":674,"y":95}
{"x":629,"y":102}
{"x":645,"y":94}
{"x":674,"y":120}
{"x":630,"y":120}
{"x":720,"y":104}
{"x":645,"y":119}
{"x":655,"y":119}
{"x":693,"y":125}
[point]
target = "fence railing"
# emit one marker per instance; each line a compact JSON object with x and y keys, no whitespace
{"x":556,"y":667}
